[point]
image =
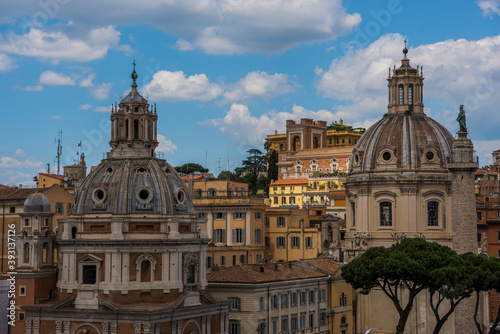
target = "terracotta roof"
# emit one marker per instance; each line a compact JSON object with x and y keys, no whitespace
{"x":289,"y":181}
{"x":324,"y":264}
{"x":55,"y":176}
{"x":270,"y":272}
{"x":16,"y":193}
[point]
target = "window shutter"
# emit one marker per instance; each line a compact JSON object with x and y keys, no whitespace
{"x":243,"y":237}
{"x":234,"y":235}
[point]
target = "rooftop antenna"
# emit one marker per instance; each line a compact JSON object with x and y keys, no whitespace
{"x":47,"y":166}
{"x":59,"y":151}
{"x":206,"y":155}
{"x":219,"y":165}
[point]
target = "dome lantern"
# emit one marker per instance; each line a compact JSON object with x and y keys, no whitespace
{"x":406,"y":88}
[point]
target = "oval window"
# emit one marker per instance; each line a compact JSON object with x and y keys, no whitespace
{"x":181,"y":196}
{"x":99,"y":195}
{"x":429,"y":155}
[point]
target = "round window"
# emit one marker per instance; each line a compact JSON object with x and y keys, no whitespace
{"x":144,"y":194}
{"x":386,"y":156}
{"x":99,"y":195}
{"x":142,"y":170}
{"x":429,"y":155}
{"x":109,"y":170}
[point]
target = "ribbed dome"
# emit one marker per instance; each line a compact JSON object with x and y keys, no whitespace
{"x":402,"y":141}
{"x":37,"y":203}
{"x":123,"y":186}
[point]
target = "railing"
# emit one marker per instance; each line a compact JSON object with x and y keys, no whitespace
{"x":462,"y":157}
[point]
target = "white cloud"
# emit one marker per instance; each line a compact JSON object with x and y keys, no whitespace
{"x":20,"y":153}
{"x":175,"y":86}
{"x":87,"y":82}
{"x":58,"y":46}
{"x":102,"y":109}
{"x":165,"y":145}
{"x":250,"y":131}
{"x":215,"y":26}
{"x":455,"y":71}
{"x":56,"y":117}
{"x":85,"y":106}
{"x":489,"y":7}
{"x":15,"y":178}
{"x":22,"y":161}
{"x":101,"y":92}
{"x":7,"y":63}
{"x":259,"y":84}
{"x":184,"y":45}
{"x":484,"y":148}
{"x":56,"y":79}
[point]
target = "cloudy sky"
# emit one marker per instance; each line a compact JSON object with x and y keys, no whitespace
{"x":226,"y":73}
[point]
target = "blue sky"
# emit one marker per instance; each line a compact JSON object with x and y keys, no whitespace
{"x":225,"y":73}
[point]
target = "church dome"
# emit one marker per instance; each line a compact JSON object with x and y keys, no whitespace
{"x":132,"y":179}
{"x":122,"y":186}
{"x":37,"y":203}
{"x":403,"y":141}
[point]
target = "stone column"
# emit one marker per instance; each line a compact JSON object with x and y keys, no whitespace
{"x":462,"y":165}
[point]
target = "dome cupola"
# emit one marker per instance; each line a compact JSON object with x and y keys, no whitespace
{"x":406,"y":87}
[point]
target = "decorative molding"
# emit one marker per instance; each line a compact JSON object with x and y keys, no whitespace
{"x":137,"y":327}
{"x":409,"y":191}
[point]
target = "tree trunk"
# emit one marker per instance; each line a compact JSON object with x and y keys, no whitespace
{"x":400,"y":328}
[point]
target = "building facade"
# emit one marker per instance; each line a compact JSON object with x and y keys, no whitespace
{"x":409,"y":177}
{"x":284,"y":297}
{"x":131,"y":256}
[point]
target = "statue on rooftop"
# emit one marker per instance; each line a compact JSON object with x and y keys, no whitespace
{"x":461,"y":119}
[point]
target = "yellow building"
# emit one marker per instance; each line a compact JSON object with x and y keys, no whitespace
{"x":235,"y":222}
{"x":287,"y":192}
{"x":335,"y":135}
{"x":288,"y":235}
{"x":203,"y":188}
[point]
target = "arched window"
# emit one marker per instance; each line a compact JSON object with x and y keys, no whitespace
{"x":191,"y":274}
{"x":26,"y":251}
{"x":385,"y":214}
{"x":136,"y":129}
{"x":410,"y":96}
{"x":145,"y":268}
{"x":330,"y":234}
{"x":432,"y":213}
{"x":145,"y":271}
{"x":315,"y":142}
{"x":44,"y":252}
{"x":343,"y":320}
{"x":73,"y":232}
{"x":126,"y":129}
{"x":401,"y":95}
{"x":282,"y":147}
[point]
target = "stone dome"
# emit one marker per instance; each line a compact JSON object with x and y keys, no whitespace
{"x":37,"y":203}
{"x":403,"y":141}
{"x":146,"y":185}
{"x":131,"y":179}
